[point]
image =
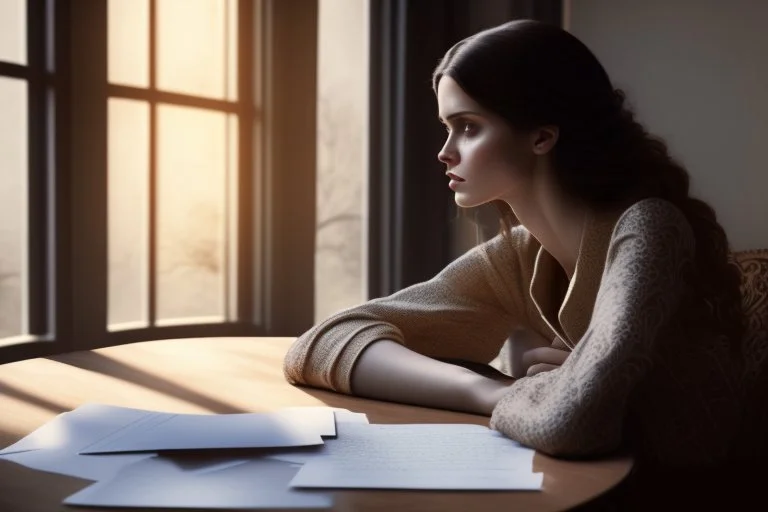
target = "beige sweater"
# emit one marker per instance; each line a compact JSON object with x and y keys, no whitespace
{"x":641,"y":369}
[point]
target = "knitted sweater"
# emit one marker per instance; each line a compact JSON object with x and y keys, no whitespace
{"x":641,"y":368}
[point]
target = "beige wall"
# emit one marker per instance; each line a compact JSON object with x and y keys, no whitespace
{"x":697,"y":73}
{"x":341,"y":155}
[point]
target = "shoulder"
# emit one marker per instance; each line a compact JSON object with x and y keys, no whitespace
{"x":503,"y":255}
{"x":516,"y":240}
{"x":509,"y":250}
{"x":652,"y":232}
{"x":506,"y":262}
{"x":652,"y":218}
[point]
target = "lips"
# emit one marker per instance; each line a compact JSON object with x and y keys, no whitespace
{"x":454,"y":177}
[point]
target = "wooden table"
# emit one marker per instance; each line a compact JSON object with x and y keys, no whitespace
{"x":232,"y":375}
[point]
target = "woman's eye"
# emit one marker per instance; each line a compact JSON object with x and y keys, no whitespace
{"x":464,"y":127}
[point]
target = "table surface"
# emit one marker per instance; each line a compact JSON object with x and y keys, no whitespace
{"x":235,"y":375}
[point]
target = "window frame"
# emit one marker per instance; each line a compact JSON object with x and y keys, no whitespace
{"x":45,"y":87}
{"x":276,"y":219}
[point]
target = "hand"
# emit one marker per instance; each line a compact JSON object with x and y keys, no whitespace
{"x":485,"y":393}
{"x":543,"y":359}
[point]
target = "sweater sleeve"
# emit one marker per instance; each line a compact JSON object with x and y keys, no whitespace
{"x":578,"y":409}
{"x":465,"y":312}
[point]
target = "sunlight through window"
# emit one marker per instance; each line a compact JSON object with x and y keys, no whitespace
{"x":194,"y":170}
{"x":341,"y":156}
{"x":194,"y":38}
{"x":128,"y":42}
{"x":191,"y":219}
{"x":13,"y":31}
{"x":128,"y":184}
{"x":13,"y":190}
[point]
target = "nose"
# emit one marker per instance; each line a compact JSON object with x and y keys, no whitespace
{"x":448,"y":155}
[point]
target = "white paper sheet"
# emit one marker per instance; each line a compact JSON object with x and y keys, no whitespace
{"x":159,"y":432}
{"x":68,"y":462}
{"x":207,"y":483}
{"x":326,"y":474}
{"x":345,"y":416}
{"x":376,"y":441}
{"x":436,"y":456}
{"x":317,"y":419}
{"x":78,"y":428}
{"x":301,"y":455}
{"x":55,"y":446}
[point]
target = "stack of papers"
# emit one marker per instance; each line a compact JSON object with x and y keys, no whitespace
{"x":287,"y":458}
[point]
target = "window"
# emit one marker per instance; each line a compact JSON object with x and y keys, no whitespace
{"x":28,"y":95}
{"x":158,"y":156}
{"x":173,"y":125}
{"x":342,"y":110}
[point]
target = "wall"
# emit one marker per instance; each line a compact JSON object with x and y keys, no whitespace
{"x":697,"y":73}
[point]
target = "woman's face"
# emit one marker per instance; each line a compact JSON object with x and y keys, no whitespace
{"x":486,"y":158}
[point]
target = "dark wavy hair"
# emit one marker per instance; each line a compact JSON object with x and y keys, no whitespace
{"x":533,"y":74}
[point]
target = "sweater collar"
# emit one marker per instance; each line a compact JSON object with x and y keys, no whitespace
{"x":575,"y":312}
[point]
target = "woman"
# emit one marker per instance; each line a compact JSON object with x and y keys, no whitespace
{"x":603,"y":255}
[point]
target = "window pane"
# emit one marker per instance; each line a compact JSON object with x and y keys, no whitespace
{"x":13,"y":31}
{"x":13,"y":192}
{"x":192,"y":158}
{"x":128,"y":42}
{"x":128,"y":194}
{"x":231,"y":242}
{"x":342,"y":83}
{"x":195,"y":47}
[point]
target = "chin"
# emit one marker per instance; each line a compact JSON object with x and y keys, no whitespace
{"x":464,"y":201}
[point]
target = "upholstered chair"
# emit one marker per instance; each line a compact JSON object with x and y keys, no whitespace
{"x":754,"y":291}
{"x":753,"y":266}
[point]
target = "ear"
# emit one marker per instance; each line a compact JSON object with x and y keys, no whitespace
{"x":544,"y":139}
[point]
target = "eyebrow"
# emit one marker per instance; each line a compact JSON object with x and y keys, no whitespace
{"x":458,"y":114}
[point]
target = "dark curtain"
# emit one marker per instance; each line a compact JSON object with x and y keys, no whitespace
{"x":410,"y":206}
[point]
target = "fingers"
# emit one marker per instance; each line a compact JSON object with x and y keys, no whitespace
{"x":540,"y":368}
{"x":547,"y":355}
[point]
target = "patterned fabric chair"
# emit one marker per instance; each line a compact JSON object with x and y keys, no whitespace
{"x":753,"y":266}
{"x":754,"y":291}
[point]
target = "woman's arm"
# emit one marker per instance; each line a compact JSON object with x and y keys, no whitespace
{"x":466,"y":313}
{"x":578,"y":409}
{"x":386,"y":370}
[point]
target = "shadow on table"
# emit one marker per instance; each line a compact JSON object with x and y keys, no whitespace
{"x":25,"y":396}
{"x":6,"y":390}
{"x":106,"y":365}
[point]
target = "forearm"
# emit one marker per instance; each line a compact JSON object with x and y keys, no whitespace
{"x":389,"y":371}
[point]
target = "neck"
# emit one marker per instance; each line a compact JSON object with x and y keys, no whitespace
{"x":554,"y":220}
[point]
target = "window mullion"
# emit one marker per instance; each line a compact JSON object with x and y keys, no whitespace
{"x":88,"y":177}
{"x":152,"y":197}
{"x":187,"y":100}
{"x":248,"y":275}
{"x":37,"y":253}
{"x":12,"y":70}
{"x":290,"y":108}
{"x":59,"y":192}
